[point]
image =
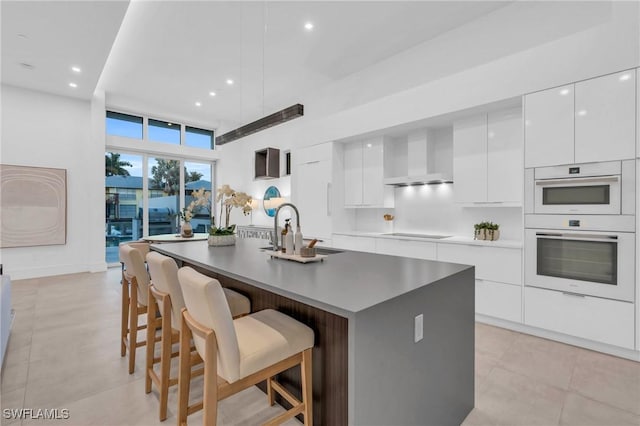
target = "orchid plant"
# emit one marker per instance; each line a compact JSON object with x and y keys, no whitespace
{"x":201,"y":199}
{"x":228,"y":199}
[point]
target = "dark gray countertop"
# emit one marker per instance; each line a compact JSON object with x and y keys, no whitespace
{"x":344,"y":283}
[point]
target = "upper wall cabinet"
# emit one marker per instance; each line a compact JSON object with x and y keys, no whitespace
{"x":487,"y":158}
{"x":548,"y":121}
{"x":592,"y":120}
{"x":364,"y":174}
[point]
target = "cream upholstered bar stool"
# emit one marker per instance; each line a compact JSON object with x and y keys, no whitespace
{"x":238,"y":353}
{"x":165,"y":299}
{"x":135,"y":283}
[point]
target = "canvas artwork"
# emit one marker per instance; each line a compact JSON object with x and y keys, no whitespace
{"x":33,"y":206}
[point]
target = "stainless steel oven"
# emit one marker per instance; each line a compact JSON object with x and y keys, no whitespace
{"x":586,"y":262}
{"x":605,"y":188}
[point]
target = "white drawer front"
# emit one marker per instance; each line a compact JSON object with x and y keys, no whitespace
{"x":501,"y":264}
{"x":602,"y":320}
{"x":348,"y":242}
{"x":492,"y":263}
{"x":499,"y":300}
{"x":406,"y":248}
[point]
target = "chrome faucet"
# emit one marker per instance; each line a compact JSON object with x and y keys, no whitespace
{"x":274,"y":239}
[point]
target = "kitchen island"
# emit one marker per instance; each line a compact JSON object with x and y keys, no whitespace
{"x":365,"y":311}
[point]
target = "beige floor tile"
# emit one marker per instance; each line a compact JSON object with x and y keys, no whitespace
{"x":541,"y":359}
{"x":579,"y":410}
{"x":14,"y":376}
{"x":608,"y":379}
{"x":478,"y":418}
{"x":513,"y":399}
{"x":11,"y":400}
{"x":492,"y":340}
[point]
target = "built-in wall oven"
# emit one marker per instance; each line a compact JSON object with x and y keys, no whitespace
{"x":592,"y":263}
{"x":592,"y":188}
{"x":580,"y":229}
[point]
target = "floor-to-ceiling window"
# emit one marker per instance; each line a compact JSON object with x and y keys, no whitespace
{"x":152,"y":169}
{"x":123,"y":199}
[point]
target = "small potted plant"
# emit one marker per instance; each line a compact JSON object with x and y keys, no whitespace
{"x":486,"y":231}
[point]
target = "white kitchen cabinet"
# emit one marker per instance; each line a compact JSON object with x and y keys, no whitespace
{"x":498,"y":276}
{"x":605,"y":120}
{"x":487,"y":158}
{"x":589,"y":121}
{"x":505,"y":168}
{"x":499,"y":300}
{"x":498,"y":264}
{"x":311,"y":189}
{"x":407,"y":248}
{"x":470,"y":159}
{"x":373,"y":172}
{"x":602,"y":320}
{"x":353,"y":174}
{"x":350,"y":242}
{"x":549,"y":132}
{"x":364,"y":175}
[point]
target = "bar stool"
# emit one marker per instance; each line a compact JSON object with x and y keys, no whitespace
{"x":238,"y":353}
{"x":165,"y":299}
{"x":135,"y":283}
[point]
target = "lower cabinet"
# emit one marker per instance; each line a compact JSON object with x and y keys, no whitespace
{"x":499,"y":300}
{"x":602,"y":320}
{"x":498,"y":277}
{"x":406,"y":248}
{"x":349,"y":242}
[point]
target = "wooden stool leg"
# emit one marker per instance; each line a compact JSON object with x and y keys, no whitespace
{"x":133,"y":325}
{"x":184,"y":373}
{"x":307,"y":389}
{"x":210,"y":400}
{"x":125,"y":315}
{"x":165,"y":359}
{"x":270,"y":393}
{"x":151,"y":341}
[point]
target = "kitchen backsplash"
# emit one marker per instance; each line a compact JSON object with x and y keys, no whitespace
{"x":431,"y":209}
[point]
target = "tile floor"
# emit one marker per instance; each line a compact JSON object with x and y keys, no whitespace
{"x":64,"y":353}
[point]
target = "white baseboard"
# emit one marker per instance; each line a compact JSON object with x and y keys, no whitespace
{"x":46,"y":271}
{"x":559,"y":337}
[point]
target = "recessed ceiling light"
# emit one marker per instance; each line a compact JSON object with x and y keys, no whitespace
{"x":229,"y":81}
{"x":564,"y":92}
{"x":76,"y":69}
{"x":198,"y":104}
{"x":212,"y":93}
{"x":308,"y":26}
{"x":582,"y":112}
{"x":73,"y":85}
{"x":625,"y":77}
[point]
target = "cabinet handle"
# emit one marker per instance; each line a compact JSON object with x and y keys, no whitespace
{"x":312,"y":162}
{"x":566,"y":293}
{"x":328,"y":198}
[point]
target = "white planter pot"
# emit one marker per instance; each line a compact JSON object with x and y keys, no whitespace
{"x":221,"y":240}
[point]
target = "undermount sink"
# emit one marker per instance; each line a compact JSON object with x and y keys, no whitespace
{"x":400,"y":234}
{"x":319,"y":250}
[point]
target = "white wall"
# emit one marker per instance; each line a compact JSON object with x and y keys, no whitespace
{"x":51,"y":131}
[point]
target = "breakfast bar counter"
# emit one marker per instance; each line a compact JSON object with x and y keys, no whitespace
{"x":366,"y":310}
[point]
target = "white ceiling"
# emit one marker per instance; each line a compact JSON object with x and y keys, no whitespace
{"x":170,"y":54}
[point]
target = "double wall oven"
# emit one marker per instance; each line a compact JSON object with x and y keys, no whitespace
{"x":580,"y":229}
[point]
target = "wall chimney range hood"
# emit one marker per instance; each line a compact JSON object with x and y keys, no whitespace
{"x":263,"y":123}
{"x":428,"y":179}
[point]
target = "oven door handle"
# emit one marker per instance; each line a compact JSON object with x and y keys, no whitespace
{"x":577,"y":237}
{"x":569,"y":181}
